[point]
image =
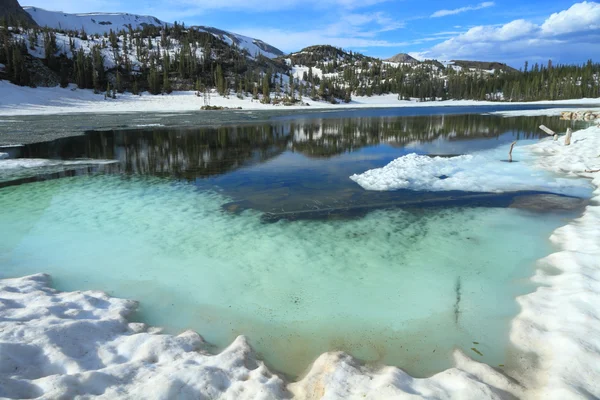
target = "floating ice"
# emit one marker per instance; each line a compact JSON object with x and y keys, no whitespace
{"x":18,"y":168}
{"x":479,"y":172}
{"x":24,"y":163}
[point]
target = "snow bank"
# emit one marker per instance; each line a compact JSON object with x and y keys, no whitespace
{"x":548,"y":112}
{"x":480,"y":172}
{"x":17,"y":100}
{"x":68,"y":345}
{"x":559,"y":323}
{"x":80,"y":344}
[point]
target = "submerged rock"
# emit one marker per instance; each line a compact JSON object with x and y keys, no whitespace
{"x":548,"y":203}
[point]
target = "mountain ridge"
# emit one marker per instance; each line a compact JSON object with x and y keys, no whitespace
{"x":102,"y":23}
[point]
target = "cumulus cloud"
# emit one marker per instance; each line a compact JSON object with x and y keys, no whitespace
{"x":581,"y":17}
{"x":569,"y":35}
{"x":444,"y":13}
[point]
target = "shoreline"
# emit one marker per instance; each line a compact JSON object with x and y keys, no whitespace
{"x":548,"y":325}
{"x":25,"y":101}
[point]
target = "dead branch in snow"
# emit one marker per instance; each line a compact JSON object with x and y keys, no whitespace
{"x":512,"y":145}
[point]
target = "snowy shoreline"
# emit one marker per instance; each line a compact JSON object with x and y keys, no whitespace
{"x":64,"y":345}
{"x":17,"y":100}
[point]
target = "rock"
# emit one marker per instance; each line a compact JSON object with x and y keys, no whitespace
{"x":548,"y":203}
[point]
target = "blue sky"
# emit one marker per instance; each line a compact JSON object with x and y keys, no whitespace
{"x":510,"y":31}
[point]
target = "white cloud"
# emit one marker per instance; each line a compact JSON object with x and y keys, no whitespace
{"x":444,"y":13}
{"x":569,"y":35}
{"x":580,"y":17}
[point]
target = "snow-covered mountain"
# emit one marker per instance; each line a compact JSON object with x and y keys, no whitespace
{"x":100,"y":23}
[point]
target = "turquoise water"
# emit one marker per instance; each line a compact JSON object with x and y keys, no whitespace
{"x":395,"y":287}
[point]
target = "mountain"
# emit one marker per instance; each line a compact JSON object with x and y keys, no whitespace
{"x":11,"y":10}
{"x":100,"y":23}
{"x":403,"y":58}
{"x":323,"y":54}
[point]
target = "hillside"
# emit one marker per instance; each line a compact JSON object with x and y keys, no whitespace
{"x":482,"y":65}
{"x":103,"y":23}
{"x":12,"y":12}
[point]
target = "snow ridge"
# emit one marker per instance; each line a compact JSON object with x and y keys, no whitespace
{"x":101,"y":23}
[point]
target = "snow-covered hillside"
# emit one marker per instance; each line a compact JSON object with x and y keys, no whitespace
{"x":100,"y":23}
{"x":90,"y":22}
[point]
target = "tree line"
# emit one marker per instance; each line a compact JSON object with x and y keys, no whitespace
{"x":163,"y":59}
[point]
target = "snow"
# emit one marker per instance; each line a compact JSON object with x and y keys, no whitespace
{"x":92,"y":23}
{"x":3,"y":156}
{"x":559,"y":322}
{"x":17,"y":100}
{"x":80,"y":344}
{"x":550,"y":112}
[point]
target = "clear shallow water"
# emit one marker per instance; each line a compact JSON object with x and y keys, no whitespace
{"x":391,"y":287}
{"x":397,"y":286}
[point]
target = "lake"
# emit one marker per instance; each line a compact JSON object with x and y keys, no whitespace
{"x":253,"y":227}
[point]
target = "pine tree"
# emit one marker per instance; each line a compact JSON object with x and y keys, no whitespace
{"x":266,"y":90}
{"x":64,"y":74}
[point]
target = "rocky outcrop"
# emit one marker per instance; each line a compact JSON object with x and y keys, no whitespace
{"x":12,"y":11}
{"x":403,"y":58}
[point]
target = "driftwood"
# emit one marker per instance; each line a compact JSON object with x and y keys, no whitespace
{"x":549,"y":131}
{"x":512,"y":145}
{"x":590,"y":171}
{"x":568,"y":138}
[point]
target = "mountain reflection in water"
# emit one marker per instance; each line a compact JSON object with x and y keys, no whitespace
{"x":299,"y":168}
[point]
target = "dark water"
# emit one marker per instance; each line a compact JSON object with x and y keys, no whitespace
{"x":296,"y":168}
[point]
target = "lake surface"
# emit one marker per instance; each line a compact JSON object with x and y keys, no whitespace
{"x":256,"y":229}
